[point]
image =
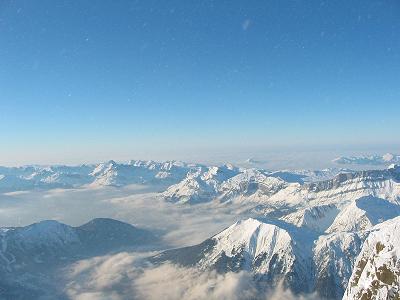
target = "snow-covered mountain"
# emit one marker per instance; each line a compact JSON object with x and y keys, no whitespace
{"x":109,"y":173}
{"x":272,"y":253}
{"x":183,"y":182}
{"x":228,"y":183}
{"x":266,"y":189}
{"x":385,"y":159}
{"x":140,"y":172}
{"x":276,"y":252}
{"x":32,"y":258}
{"x":376,"y":274}
{"x":201,"y":185}
{"x":53,"y":242}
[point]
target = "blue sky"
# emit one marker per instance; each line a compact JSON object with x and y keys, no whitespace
{"x":87,"y":80}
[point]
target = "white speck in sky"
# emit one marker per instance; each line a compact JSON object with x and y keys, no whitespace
{"x":246,"y":24}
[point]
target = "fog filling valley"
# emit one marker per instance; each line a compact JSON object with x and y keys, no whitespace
{"x":179,"y":225}
{"x":126,"y":275}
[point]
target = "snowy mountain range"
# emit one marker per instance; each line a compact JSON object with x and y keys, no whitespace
{"x":332,"y":232}
{"x":109,"y":173}
{"x":226,"y":183}
{"x":313,"y":247}
{"x":164,"y":174}
{"x":384,"y":159}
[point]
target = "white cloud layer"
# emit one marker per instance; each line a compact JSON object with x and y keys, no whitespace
{"x":124,"y":276}
{"x":179,"y":225}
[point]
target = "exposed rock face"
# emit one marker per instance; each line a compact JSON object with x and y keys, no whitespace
{"x":376,"y":275}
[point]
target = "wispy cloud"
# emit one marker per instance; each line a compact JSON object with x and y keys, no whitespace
{"x":246,"y":24}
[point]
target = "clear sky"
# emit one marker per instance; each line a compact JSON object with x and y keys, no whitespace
{"x":87,"y":80}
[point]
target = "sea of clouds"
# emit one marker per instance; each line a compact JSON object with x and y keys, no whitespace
{"x":127,"y":275}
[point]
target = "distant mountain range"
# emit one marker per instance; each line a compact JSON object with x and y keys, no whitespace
{"x":385,"y":159}
{"x":111,"y":173}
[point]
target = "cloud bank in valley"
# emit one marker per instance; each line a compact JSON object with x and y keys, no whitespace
{"x":125,"y":275}
{"x":178,"y":225}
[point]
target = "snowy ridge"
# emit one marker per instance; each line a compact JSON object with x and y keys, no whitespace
{"x":200,"y":185}
{"x":377,"y":270}
{"x":255,"y":239}
{"x":343,"y":188}
{"x":333,"y":260}
{"x":270,"y":188}
{"x":364,"y":213}
{"x":226,"y":181}
{"x":275,"y":251}
{"x":267,"y":250}
{"x":385,"y":159}
{"x":316,"y":218}
{"x":138,"y":172}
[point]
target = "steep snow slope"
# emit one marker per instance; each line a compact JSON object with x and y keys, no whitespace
{"x":266,"y":250}
{"x":376,"y":275}
{"x":333,"y":260}
{"x":271,"y":252}
{"x":364,"y":213}
{"x":316,"y":218}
